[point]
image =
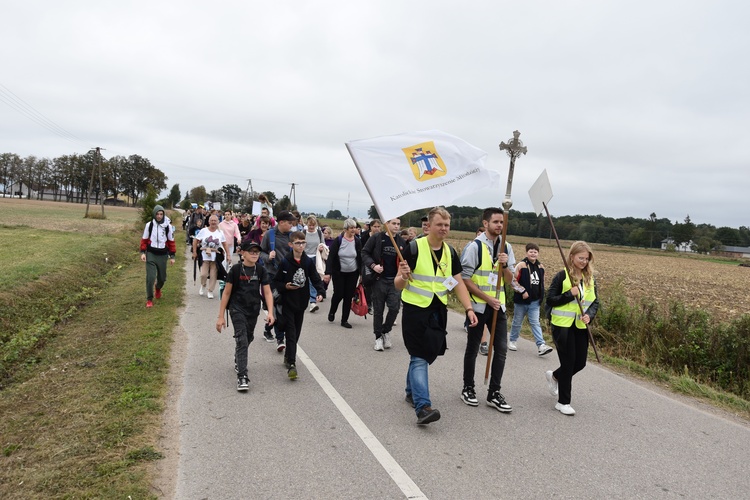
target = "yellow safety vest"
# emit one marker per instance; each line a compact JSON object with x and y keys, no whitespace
{"x":481,"y":277}
{"x":426,"y":280}
{"x":565,"y":314}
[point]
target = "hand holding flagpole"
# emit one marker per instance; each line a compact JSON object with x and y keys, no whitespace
{"x":514,"y":149}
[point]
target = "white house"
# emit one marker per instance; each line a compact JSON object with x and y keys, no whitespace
{"x":682,"y":247}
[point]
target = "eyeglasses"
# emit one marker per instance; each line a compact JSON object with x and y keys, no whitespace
{"x":299,"y":243}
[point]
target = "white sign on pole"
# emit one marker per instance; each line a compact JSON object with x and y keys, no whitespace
{"x":540,"y":193}
{"x":256,"y":208}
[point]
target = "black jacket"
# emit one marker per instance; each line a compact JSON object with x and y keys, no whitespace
{"x":299,"y":298}
{"x":333,"y":264}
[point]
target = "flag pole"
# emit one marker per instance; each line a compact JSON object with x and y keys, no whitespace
{"x":514,"y":149}
{"x":565,"y":265}
{"x":375,"y":202}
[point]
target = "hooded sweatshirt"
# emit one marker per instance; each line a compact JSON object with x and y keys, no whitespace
{"x":158,"y":236}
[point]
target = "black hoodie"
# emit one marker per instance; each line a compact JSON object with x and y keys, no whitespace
{"x":291,"y":271}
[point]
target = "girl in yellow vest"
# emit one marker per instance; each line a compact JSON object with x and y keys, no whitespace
{"x":568,"y":324}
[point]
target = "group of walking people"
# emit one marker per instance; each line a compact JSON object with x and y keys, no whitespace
{"x":286,"y":268}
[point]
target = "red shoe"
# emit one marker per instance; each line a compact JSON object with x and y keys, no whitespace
{"x":149,"y":304}
{"x":157,"y":295}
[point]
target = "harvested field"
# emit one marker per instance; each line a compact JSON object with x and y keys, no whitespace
{"x":716,"y":285}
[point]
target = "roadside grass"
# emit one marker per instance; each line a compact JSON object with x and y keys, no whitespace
{"x":84,"y":362}
{"x":679,"y":382}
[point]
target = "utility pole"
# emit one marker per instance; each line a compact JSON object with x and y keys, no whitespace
{"x":97,"y":163}
{"x":293,"y":196}
{"x":101,"y":192}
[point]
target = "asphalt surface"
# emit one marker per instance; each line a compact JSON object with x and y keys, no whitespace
{"x":343,"y":430}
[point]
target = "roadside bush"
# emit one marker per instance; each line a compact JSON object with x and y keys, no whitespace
{"x":678,"y":338}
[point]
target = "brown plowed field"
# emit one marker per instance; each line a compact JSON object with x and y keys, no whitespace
{"x":720,"y":287}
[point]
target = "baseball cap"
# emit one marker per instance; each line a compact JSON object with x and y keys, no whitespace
{"x":248,"y":245}
{"x":287,"y":216}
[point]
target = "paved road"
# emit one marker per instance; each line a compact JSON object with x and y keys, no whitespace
{"x":343,"y":429}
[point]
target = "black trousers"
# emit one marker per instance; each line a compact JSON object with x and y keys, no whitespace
{"x":499,"y":348}
{"x":572,"y":349}
{"x":344,"y":285}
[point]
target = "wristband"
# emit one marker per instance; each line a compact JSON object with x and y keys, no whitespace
{"x":470,"y":310}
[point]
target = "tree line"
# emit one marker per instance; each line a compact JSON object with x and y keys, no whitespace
{"x":67,"y":177}
{"x":646,"y":232}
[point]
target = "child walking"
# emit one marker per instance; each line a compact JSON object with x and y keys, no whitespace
{"x":530,"y":276}
{"x":242,"y":295}
{"x":293,"y":279}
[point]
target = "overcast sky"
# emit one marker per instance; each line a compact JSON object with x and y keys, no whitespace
{"x":633,"y":107}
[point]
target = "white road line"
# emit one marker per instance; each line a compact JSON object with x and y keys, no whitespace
{"x":399,"y":476}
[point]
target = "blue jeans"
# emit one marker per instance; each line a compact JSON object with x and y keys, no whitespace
{"x":417,"y":383}
{"x":313,"y":291}
{"x":532,"y":311}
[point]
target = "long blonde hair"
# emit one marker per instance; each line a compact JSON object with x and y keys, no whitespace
{"x":588,"y":271}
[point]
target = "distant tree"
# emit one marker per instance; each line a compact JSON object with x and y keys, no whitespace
{"x":728,"y":236}
{"x":147,"y":204}
{"x":174,"y":196}
{"x":272,"y":199}
{"x":373,"y":212}
{"x":334,"y":214}
{"x":231,"y":194}
{"x":683,"y":233}
{"x":639,"y":237}
{"x":283,"y":204}
{"x":216,"y":195}
{"x":198,"y":195}
{"x":744,"y":232}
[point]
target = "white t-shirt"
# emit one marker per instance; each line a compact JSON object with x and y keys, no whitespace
{"x":210,"y":240}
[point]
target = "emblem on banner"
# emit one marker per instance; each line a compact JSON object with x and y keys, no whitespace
{"x":424,"y":161}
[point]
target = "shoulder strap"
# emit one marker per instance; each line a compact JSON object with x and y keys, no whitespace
{"x":413,"y":247}
{"x":479,"y":254}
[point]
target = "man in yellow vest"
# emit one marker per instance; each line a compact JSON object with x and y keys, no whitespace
{"x":429,"y":271}
{"x":479,"y":275}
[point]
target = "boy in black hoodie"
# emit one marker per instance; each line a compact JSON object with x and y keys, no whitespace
{"x":296,"y":272}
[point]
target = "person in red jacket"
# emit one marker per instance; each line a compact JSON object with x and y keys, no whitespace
{"x":157,"y":245}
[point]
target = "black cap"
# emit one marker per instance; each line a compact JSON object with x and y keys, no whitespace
{"x":424,"y":218}
{"x":287,"y":216}
{"x":248,"y":245}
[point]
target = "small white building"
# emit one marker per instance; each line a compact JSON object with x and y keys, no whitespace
{"x":682,"y":247}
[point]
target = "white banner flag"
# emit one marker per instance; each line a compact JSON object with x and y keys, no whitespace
{"x":406,"y":172}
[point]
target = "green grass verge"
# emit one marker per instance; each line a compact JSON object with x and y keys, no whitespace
{"x":81,"y":415}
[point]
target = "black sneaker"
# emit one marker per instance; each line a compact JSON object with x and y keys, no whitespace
{"x":292,"y":372}
{"x":469,"y":396}
{"x":427,"y":415}
{"x":495,"y":399}
{"x":410,"y":399}
{"x":268,"y":334}
{"x":243,"y":384}
{"x":280,"y":345}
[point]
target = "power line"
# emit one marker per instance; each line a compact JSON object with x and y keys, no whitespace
{"x":26,"y":109}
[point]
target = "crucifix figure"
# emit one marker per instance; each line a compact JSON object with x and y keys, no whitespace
{"x":514,"y":149}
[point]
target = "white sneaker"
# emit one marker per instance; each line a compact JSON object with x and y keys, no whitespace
{"x":565,"y":409}
{"x":313,"y":307}
{"x":387,"y":341}
{"x":544,"y":349}
{"x":512,"y":346}
{"x":551,"y":382}
{"x":200,"y":292}
{"x":379,"y":344}
{"x":210,"y":295}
